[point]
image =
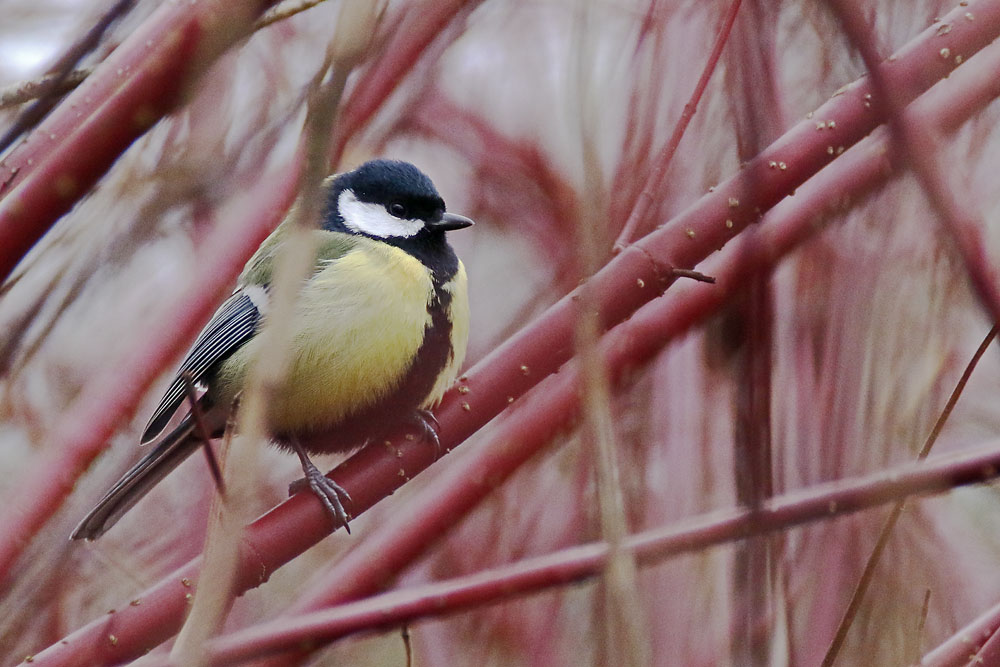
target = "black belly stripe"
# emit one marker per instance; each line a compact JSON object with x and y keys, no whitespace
{"x":432,"y":356}
{"x":378,"y":419}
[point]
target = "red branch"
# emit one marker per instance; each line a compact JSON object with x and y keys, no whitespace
{"x":820,"y":502}
{"x":141,"y":81}
{"x":961,"y":649}
{"x":630,"y":280}
{"x":921,"y":148}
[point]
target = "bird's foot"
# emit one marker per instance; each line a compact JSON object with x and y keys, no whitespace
{"x":330,"y":494}
{"x":429,"y":426}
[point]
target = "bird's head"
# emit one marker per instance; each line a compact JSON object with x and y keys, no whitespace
{"x":390,"y":201}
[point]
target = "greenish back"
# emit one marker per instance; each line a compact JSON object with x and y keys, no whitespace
{"x":330,"y":246}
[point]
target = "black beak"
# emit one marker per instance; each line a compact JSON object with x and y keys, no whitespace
{"x":451,"y":221}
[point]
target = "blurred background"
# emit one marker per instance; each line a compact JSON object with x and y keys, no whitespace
{"x":865,"y":329}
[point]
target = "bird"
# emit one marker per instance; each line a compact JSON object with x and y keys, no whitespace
{"x":378,"y":334}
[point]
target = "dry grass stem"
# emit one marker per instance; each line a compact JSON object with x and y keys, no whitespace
{"x":625,"y":638}
{"x":293,"y":265}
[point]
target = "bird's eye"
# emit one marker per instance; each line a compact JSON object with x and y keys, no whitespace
{"x":398,"y":210}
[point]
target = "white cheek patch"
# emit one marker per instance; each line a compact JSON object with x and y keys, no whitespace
{"x":373,"y":219}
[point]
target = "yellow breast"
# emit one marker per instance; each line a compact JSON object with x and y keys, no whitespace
{"x":357,"y":328}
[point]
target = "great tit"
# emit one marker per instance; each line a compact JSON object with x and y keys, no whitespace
{"x":379,"y":334}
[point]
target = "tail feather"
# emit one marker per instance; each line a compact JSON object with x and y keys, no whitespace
{"x":138,"y":481}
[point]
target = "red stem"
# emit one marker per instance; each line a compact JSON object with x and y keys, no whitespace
{"x":960,"y":649}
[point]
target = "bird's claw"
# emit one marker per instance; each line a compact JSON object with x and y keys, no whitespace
{"x":429,"y":425}
{"x":330,"y":494}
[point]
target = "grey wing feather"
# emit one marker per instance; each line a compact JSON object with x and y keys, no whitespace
{"x":233,"y":324}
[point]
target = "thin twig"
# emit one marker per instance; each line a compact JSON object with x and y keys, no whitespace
{"x":655,"y":181}
{"x":693,"y":275}
{"x":404,"y":633}
{"x":59,"y":83}
{"x":51,"y":84}
{"x":199,"y":427}
{"x":51,"y":89}
{"x":284,"y":11}
{"x":925,"y":609}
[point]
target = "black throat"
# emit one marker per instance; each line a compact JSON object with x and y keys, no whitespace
{"x":433,"y":251}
